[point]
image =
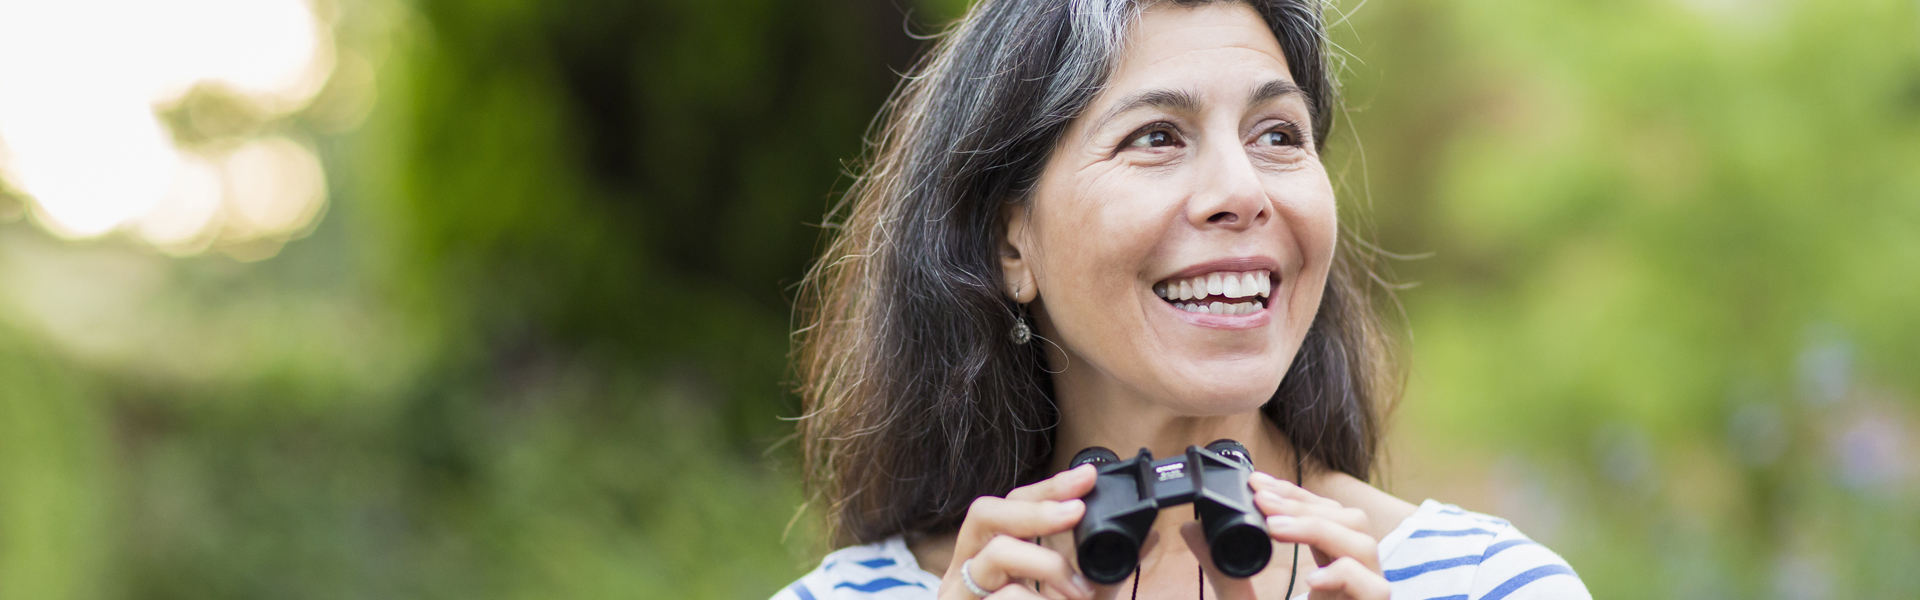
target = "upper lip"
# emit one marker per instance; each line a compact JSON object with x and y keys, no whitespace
{"x":1244,"y":263}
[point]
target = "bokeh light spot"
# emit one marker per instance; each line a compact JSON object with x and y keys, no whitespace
{"x":80,"y":86}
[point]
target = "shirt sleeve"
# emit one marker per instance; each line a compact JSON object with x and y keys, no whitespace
{"x":880,"y":571}
{"x":1515,"y":568}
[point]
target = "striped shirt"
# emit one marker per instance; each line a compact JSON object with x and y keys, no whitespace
{"x":1439,"y":553}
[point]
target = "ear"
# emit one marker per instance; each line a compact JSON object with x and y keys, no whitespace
{"x":1016,"y":264}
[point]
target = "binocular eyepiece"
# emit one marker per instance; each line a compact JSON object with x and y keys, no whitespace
{"x":1130,"y":493}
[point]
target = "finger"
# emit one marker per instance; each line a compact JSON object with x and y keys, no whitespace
{"x":1287,"y":489}
{"x":990,"y":516}
{"x":1066,"y":485}
{"x":1012,"y":561}
{"x":1273,"y":504}
{"x":1224,"y":587}
{"x":1330,"y":541}
{"x":1014,"y":592}
{"x":1348,"y":579}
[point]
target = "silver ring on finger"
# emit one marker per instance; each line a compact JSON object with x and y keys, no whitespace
{"x":966,"y":577}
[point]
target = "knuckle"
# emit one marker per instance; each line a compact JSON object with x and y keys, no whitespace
{"x":997,"y":544}
{"x":1354,"y":518}
{"x":1055,"y":563}
{"x":982,"y":503}
{"x":1349,"y":566}
{"x":1316,"y":524}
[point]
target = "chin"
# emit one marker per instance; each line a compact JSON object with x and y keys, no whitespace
{"x":1223,"y":392}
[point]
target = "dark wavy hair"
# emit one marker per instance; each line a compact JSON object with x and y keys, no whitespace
{"x":915,"y":401}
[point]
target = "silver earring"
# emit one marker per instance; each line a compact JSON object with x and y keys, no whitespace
{"x":1021,"y":333}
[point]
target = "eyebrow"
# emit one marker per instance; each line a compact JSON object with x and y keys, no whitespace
{"x":1277,"y":88}
{"x":1185,"y":101}
{"x":1165,"y":99}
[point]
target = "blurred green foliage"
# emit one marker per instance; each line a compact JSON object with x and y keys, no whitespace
{"x":537,"y":346}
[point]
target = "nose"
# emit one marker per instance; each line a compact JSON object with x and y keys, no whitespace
{"x":1230,"y":195}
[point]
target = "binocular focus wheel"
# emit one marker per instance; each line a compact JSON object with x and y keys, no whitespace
{"x":1096,"y":456}
{"x":1230,"y":449}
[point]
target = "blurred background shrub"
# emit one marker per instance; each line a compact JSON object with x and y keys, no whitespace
{"x":437,"y":299}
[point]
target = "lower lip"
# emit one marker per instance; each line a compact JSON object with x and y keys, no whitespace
{"x":1246,"y":321}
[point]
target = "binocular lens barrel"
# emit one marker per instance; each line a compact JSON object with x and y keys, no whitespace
{"x":1240,"y":550}
{"x":1108,"y":557}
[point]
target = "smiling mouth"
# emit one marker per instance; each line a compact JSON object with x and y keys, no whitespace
{"x":1218,"y":293}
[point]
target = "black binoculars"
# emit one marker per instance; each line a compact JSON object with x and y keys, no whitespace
{"x":1129,"y":495}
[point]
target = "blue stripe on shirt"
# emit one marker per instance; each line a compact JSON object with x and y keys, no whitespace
{"x":1448,"y":563}
{"x":1449,"y":532}
{"x":1525,"y":578}
{"x":801,"y":591}
{"x":1496,"y":548}
{"x":876,"y":563}
{"x":1423,"y":568}
{"x":883,"y":583}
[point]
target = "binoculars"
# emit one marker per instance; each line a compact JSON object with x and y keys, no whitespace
{"x":1130,"y":493}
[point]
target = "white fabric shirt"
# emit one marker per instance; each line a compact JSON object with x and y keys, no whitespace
{"x":1439,"y":553}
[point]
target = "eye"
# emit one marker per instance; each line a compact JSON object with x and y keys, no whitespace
{"x":1159,"y":136}
{"x":1283,"y":134}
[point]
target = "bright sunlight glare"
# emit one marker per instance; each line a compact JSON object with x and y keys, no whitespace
{"x":80,"y":86}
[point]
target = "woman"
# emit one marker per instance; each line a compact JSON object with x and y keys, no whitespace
{"x":1106,"y":223}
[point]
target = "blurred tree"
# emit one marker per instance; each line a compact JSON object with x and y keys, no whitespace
{"x":536,"y":348}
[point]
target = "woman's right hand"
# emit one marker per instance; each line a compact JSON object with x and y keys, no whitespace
{"x":995,"y":534}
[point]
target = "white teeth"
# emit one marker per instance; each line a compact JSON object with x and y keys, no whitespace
{"x":1219,"y":308}
{"x":1250,"y":284}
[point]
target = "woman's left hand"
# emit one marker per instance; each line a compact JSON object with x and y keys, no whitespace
{"x":1349,"y":558}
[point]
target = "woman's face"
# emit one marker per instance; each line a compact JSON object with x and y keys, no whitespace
{"x":1180,"y":234}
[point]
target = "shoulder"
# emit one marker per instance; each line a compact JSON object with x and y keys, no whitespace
{"x":1445,"y":552}
{"x":879,"y":571}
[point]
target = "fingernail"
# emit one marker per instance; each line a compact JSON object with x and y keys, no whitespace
{"x":1259,"y":477}
{"x":1065,"y":510}
{"x":1279,"y":522}
{"x":1081,"y":583}
{"x":1317,"y":577}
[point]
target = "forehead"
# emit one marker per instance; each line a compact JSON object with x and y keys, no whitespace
{"x":1198,"y":47}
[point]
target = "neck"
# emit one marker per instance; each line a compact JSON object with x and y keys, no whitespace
{"x":1095,"y":412}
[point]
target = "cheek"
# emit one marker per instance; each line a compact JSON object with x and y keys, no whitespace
{"x":1308,"y":205}
{"x":1314,"y":224}
{"x":1093,"y":240}
{"x":1318,"y":218}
